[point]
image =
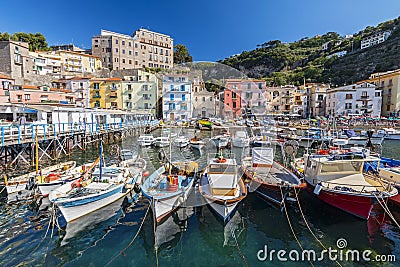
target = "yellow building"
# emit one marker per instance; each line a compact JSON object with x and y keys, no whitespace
{"x":74,"y":63}
{"x":106,"y":93}
{"x":390,"y":85}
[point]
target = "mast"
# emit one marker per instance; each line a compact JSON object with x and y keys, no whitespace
{"x":101,"y":160}
{"x":36,"y":151}
{"x":170,"y":149}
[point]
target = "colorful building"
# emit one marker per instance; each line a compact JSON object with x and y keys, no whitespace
{"x":177,"y":97}
{"x":252,"y":94}
{"x":356,"y":99}
{"x":140,"y":92}
{"x":5,"y":84}
{"x":389,"y":83}
{"x":106,"y":93}
{"x":28,"y":94}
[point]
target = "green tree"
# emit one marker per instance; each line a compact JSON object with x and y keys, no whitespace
{"x":181,"y":54}
{"x":36,"y":40}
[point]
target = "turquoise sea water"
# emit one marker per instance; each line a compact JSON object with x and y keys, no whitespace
{"x":193,"y":236}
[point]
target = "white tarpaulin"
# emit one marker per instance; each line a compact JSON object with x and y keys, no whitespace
{"x":263,"y":156}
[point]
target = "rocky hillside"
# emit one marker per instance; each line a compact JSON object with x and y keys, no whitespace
{"x":292,"y":63}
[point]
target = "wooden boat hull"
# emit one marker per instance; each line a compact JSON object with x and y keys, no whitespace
{"x":224,"y":208}
{"x":80,"y":207}
{"x":19,"y":183}
{"x":357,"y":205}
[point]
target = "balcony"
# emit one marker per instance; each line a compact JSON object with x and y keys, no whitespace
{"x":364,"y":97}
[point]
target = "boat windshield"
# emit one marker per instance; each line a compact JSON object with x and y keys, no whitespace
{"x":222,"y":168}
{"x":346,"y":166}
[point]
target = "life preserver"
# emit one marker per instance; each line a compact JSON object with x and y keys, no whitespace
{"x":76,"y":184}
{"x":323,"y":152}
{"x":52,"y":177}
{"x":220,"y":160}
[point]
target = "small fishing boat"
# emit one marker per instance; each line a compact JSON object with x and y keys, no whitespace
{"x":54,"y":180}
{"x":161,"y":141}
{"x":268,"y":178}
{"x":392,"y":134}
{"x":197,"y":143}
{"x":221,"y":186}
{"x":146,"y":140}
{"x":168,"y":187}
{"x":338,"y":180}
{"x":204,"y":124}
{"x":241,"y":139}
{"x":221,"y":141}
{"x":28,"y":181}
{"x":98,"y":189}
{"x":181,"y":141}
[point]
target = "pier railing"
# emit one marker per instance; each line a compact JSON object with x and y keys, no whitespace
{"x":18,"y":134}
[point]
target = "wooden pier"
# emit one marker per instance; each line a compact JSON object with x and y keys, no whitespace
{"x":17,"y":143}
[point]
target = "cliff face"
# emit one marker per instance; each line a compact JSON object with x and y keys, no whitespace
{"x":313,"y":59}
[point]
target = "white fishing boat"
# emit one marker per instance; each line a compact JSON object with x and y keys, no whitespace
{"x":241,"y":139}
{"x":146,"y":140}
{"x":221,"y":141}
{"x":181,"y":141}
{"x":28,"y":181}
{"x":221,"y":186}
{"x":167,"y":189}
{"x":392,"y":134}
{"x":161,"y":141}
{"x":101,"y":188}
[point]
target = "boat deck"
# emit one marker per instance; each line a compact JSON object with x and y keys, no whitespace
{"x":274,"y":174}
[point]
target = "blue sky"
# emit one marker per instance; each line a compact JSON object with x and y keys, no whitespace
{"x":211,"y":29}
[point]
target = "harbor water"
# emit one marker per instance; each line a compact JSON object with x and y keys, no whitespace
{"x":192,"y":236}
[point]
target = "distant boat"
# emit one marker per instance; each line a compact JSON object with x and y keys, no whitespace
{"x":161,"y":141}
{"x":167,"y":189}
{"x":146,"y":140}
{"x":197,"y":143}
{"x":221,"y":141}
{"x":241,"y":139}
{"x":181,"y":141}
{"x":103,"y":187}
{"x":27,"y":181}
{"x":268,"y":178}
{"x":204,"y":124}
{"x":222,"y":187}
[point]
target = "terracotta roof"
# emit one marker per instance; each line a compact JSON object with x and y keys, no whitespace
{"x":115,"y":79}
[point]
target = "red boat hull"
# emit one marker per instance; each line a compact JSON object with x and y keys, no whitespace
{"x":395,"y":199}
{"x":359,"y":206}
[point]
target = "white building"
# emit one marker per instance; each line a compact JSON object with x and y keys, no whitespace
{"x":375,"y":39}
{"x":177,"y":97}
{"x":362,"y":99}
{"x":338,"y":54}
{"x":204,"y":103}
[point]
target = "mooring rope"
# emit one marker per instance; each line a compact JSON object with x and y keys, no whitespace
{"x":290,"y":224}
{"x":308,"y":226}
{"x":47,"y":230}
{"x":154,"y":230}
{"x":122,"y":252}
{"x":237,"y":245}
{"x":386,"y":209}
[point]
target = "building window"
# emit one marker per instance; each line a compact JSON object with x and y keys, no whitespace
{"x":348,"y":106}
{"x":183,"y":97}
{"x":171,"y":97}
{"x":249,"y":86}
{"x":377,"y":94}
{"x":233,"y":95}
{"x":349,"y":96}
{"x":27,"y":97}
{"x":96,"y":86}
{"x":116,"y":41}
{"x":182,"y":87}
{"x":234,"y":104}
{"x":260,"y":86}
{"x":116,"y":50}
{"x":171,"y":87}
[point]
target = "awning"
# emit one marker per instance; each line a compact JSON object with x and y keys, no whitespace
{"x":27,"y":110}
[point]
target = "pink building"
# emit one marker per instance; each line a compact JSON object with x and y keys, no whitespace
{"x":29,"y":94}
{"x":252,"y":95}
